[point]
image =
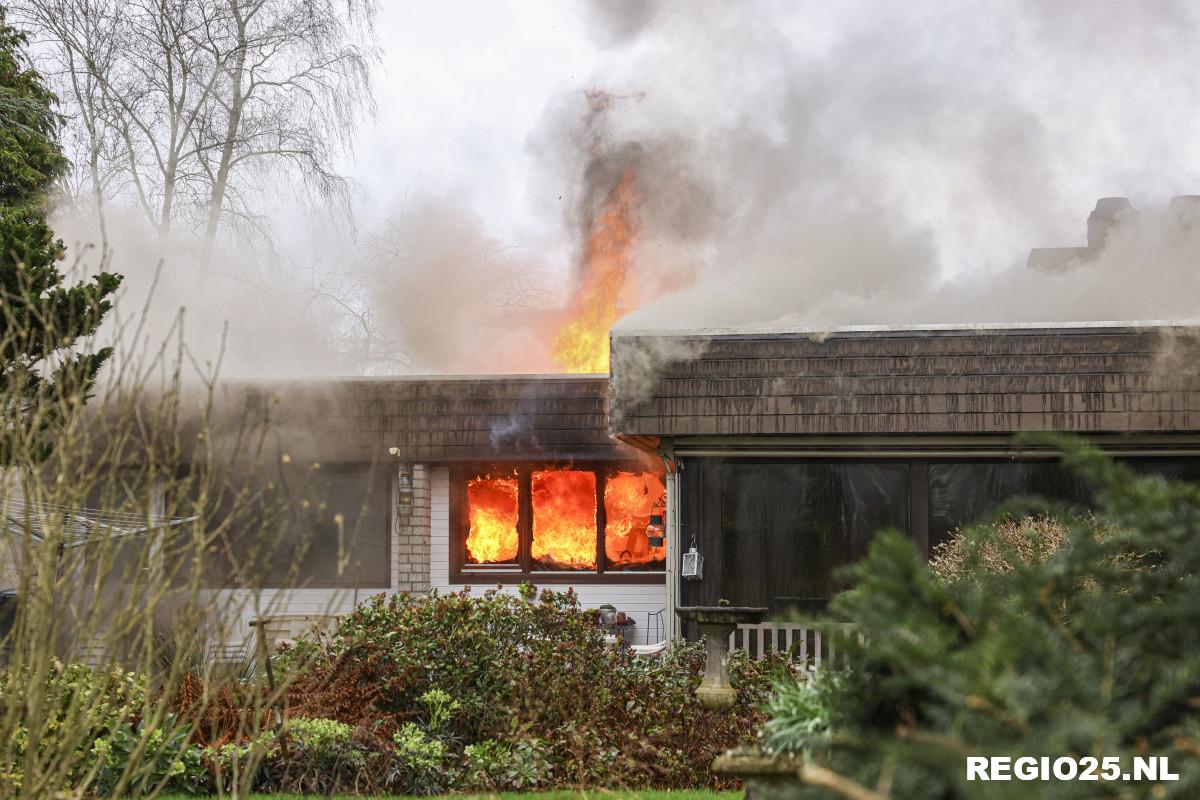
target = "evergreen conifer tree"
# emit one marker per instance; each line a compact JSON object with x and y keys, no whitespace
{"x":42,"y":318}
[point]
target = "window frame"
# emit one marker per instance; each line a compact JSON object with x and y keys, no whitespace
{"x":462,"y":572}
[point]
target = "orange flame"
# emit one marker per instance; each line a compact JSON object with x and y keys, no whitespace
{"x":581,"y":345}
{"x":564,"y":519}
{"x":629,"y":500}
{"x":492,"y":504}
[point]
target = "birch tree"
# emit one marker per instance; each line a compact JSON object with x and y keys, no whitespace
{"x":194,"y":110}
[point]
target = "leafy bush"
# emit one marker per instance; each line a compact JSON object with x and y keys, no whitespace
{"x":500,"y":766}
{"x":527,"y":680}
{"x":419,"y":764}
{"x":165,"y":759}
{"x":424,"y":696}
{"x":82,"y":706}
{"x":1092,"y":651}
{"x":800,"y":714}
{"x":324,"y":756}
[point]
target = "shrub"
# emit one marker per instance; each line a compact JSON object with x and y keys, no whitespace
{"x":418,"y":763}
{"x":500,"y":766}
{"x":528,"y":679}
{"x":83,"y":706}
{"x":800,"y":714}
{"x":324,"y":756}
{"x":1092,"y":651}
{"x":165,"y":760}
{"x":1008,"y":543}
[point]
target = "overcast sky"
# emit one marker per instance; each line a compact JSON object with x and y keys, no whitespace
{"x":460,"y":88}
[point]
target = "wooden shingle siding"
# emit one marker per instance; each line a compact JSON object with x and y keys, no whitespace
{"x":438,"y":419}
{"x":987,"y":380}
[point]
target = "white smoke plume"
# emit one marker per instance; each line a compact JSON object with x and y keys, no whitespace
{"x":802,"y":164}
{"x":885,"y":163}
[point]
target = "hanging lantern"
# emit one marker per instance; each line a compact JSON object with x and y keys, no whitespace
{"x":693,"y":564}
{"x":404,"y":489}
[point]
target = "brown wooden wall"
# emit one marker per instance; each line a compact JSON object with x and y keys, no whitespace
{"x":977,"y":381}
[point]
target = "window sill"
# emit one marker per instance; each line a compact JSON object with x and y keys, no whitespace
{"x":491,"y":578}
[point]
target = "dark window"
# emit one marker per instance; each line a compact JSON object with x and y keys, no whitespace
{"x":787,"y":527}
{"x":1173,"y":469}
{"x":299,"y":526}
{"x":961,"y":494}
{"x":551,"y":522}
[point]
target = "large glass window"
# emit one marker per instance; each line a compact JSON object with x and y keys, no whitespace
{"x":492,"y":525}
{"x":787,"y":527}
{"x":961,"y":494}
{"x":634,"y":506}
{"x":516,"y":521}
{"x":564,"y":519}
{"x":300,"y":526}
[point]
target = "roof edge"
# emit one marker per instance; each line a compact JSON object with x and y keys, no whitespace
{"x":941,"y":329}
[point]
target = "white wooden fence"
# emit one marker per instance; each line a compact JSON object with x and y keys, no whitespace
{"x":801,"y":642}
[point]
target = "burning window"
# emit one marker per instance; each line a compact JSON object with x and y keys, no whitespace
{"x":567,"y":519}
{"x":631,"y":500}
{"x":564,"y":519}
{"x":493,"y":508}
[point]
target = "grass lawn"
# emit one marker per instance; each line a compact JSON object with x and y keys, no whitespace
{"x":598,"y":794}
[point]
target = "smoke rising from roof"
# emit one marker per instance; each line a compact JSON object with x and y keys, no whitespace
{"x":880,"y":163}
{"x":808,"y":165}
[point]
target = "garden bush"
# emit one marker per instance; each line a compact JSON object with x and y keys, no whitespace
{"x":501,"y":691}
{"x":417,"y":695}
{"x":1091,"y":650}
{"x":1009,"y":542}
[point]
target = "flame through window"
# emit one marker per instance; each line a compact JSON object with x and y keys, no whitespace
{"x":564,"y":519}
{"x":630,"y":499}
{"x":549,"y":519}
{"x":492,"y":536}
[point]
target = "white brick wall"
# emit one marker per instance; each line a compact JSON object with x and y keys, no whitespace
{"x":410,"y":536}
{"x":636,"y":600}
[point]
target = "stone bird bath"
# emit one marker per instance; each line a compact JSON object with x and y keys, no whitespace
{"x":716,"y":623}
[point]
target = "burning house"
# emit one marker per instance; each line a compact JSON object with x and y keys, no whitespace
{"x":774,"y":455}
{"x":486,"y":481}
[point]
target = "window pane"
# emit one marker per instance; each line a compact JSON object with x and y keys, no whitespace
{"x":630,"y":498}
{"x":353,"y":552}
{"x":786,"y":528}
{"x":963,"y":494}
{"x":301,"y":527}
{"x":564,"y":519}
{"x":492,"y":513}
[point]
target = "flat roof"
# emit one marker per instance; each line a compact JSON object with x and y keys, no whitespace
{"x":788,"y":331}
{"x":1101,"y":377}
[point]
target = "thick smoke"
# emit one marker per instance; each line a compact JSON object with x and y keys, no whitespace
{"x":254,"y":313}
{"x":802,"y":165}
{"x":884,"y":163}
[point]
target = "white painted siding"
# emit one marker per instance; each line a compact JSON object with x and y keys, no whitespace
{"x":234,"y":609}
{"x":636,"y":600}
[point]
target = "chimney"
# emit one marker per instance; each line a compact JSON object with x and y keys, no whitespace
{"x":1183,"y":215}
{"x":1106,"y":217}
{"x":1109,"y":214}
